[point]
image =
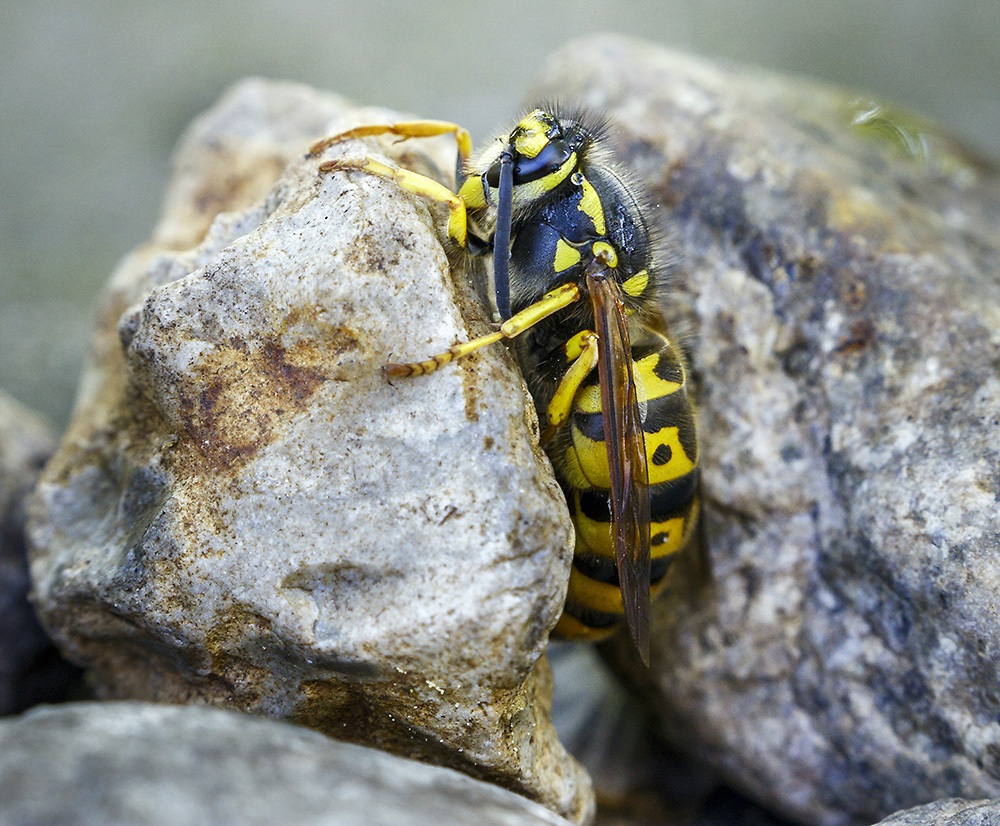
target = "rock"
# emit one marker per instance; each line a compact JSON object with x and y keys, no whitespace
{"x":30,"y":669}
{"x":952,"y":812}
{"x":843,"y":301}
{"x":637,"y":778}
{"x":128,"y":762}
{"x":244,"y":512}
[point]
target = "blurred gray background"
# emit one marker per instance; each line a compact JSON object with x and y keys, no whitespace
{"x":93,"y":96}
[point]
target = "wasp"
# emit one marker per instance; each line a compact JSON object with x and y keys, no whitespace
{"x":577,"y":289}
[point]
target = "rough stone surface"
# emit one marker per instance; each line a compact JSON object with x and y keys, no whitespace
{"x":30,"y":668}
{"x":137,"y":763}
{"x":952,"y":812}
{"x":245,"y":512}
{"x":842,"y":295}
{"x":639,"y":780}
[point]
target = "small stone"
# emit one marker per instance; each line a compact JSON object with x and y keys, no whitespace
{"x":91,"y":764}
{"x":841,"y":297}
{"x":31,"y":670}
{"x":245,"y":512}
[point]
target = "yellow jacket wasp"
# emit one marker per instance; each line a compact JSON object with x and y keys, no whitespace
{"x":578,"y":291}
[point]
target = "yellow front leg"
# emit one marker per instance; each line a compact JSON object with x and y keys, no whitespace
{"x":550,"y":303}
{"x":405,"y":179}
{"x":404,"y":130}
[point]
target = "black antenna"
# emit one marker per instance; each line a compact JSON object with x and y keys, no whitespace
{"x":501,"y":235}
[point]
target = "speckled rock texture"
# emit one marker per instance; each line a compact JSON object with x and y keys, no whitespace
{"x":245,"y":512}
{"x":838,"y":275}
{"x":952,"y":812}
{"x":31,"y":670}
{"x":94,"y":764}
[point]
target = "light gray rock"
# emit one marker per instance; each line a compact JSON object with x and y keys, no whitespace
{"x":953,"y":812}
{"x":30,"y":670}
{"x":245,"y":512}
{"x":134,"y":763}
{"x":838,"y":271}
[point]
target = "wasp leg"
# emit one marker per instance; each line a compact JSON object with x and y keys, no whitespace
{"x":404,"y":131}
{"x":458,"y":227}
{"x":550,"y":303}
{"x":582,"y":351}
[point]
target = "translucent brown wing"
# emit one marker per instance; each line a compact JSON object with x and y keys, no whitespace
{"x":626,"y":455}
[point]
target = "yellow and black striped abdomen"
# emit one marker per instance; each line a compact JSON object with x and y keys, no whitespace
{"x":594,"y":603}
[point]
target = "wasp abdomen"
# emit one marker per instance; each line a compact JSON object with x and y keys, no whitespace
{"x":594,"y":603}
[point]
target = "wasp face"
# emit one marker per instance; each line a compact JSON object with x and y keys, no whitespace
{"x":542,"y":149}
{"x":538,"y":148}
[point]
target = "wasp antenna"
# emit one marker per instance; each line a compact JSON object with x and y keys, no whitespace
{"x":501,"y":235}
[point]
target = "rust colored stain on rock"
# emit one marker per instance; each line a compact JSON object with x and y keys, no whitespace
{"x":296,"y":382}
{"x":242,"y":394}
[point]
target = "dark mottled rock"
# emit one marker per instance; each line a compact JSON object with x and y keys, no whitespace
{"x":31,"y":670}
{"x":94,"y":764}
{"x":638,"y":778}
{"x":841,"y":291}
{"x":952,"y":812}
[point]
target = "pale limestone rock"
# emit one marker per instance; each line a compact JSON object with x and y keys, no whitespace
{"x":245,"y":512}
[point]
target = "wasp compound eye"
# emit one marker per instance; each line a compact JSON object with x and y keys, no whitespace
{"x":526,"y":170}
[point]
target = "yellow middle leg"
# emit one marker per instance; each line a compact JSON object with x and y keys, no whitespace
{"x":550,"y":303}
{"x":403,"y":130}
{"x":561,"y":403}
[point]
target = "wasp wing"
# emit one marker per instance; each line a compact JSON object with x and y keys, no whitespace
{"x":626,"y":455}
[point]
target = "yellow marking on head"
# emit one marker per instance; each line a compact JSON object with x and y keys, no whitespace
{"x":566,"y":256}
{"x":532,"y":134}
{"x":530,"y":144}
{"x":652,"y":384}
{"x":534,"y":120}
{"x":526,"y":193}
{"x":679,"y":462}
{"x":590,"y":205}
{"x":636,"y":285}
